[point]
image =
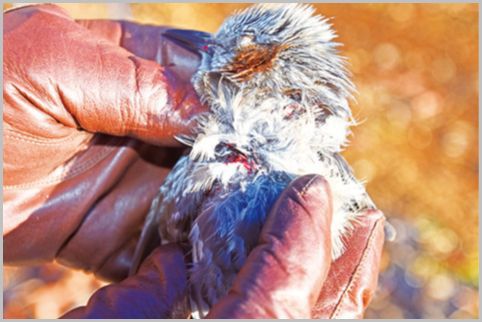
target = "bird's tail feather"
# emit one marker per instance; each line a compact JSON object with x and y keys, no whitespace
{"x":149,"y":238}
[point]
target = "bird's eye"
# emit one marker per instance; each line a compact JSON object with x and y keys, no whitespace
{"x":219,"y":148}
{"x":246,"y":40}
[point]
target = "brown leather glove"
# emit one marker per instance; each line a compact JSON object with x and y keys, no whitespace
{"x":77,"y":189}
{"x":72,"y":177}
{"x":285,"y":272}
{"x":272,"y":283}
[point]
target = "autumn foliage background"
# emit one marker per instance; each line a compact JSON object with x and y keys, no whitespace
{"x":416,"y":70}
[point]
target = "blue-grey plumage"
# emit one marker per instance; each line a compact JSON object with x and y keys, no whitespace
{"x":278,"y":96}
{"x":225,"y":230}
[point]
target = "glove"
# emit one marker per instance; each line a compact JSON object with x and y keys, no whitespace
{"x":81,"y":99}
{"x":76,"y":177}
{"x":284,"y":274}
{"x":272,"y":283}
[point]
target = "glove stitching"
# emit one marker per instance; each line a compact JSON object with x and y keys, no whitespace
{"x":357,"y":272}
{"x":305,"y":189}
{"x":25,"y":138}
{"x":66,"y":174}
{"x":307,"y":186}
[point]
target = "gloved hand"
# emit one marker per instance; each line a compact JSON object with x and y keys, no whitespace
{"x":78,"y":178}
{"x":272,"y":283}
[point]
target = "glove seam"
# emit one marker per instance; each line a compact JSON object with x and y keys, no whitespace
{"x":66,"y":172}
{"x":17,"y":135}
{"x":308,"y":185}
{"x":354,"y":277}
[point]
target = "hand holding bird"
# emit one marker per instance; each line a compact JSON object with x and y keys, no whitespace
{"x":79,"y":176}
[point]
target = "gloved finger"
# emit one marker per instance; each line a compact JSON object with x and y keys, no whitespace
{"x":284,"y":274}
{"x":353,"y":277}
{"x":67,"y":187}
{"x":148,"y":42}
{"x":80,"y":80}
{"x":158,"y":290}
{"x":104,"y":241}
{"x":92,"y":219}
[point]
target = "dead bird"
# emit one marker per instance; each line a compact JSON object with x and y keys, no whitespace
{"x":278,"y":95}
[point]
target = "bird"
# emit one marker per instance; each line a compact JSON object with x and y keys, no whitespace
{"x":278,"y":93}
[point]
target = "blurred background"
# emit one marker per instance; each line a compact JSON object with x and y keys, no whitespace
{"x":416,"y":69}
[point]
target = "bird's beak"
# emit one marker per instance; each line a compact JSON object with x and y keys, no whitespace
{"x":240,"y":151}
{"x":193,"y":40}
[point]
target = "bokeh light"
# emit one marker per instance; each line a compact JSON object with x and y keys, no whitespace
{"x":416,"y":146}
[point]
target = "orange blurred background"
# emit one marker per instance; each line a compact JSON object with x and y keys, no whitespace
{"x":416,"y":70}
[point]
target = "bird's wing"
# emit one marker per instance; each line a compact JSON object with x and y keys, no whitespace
{"x":363,"y":201}
{"x":366,"y":202}
{"x":169,"y":216}
{"x":350,"y":199}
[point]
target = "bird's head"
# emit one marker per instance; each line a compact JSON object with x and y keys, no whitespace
{"x":243,"y":136}
{"x":273,"y":48}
